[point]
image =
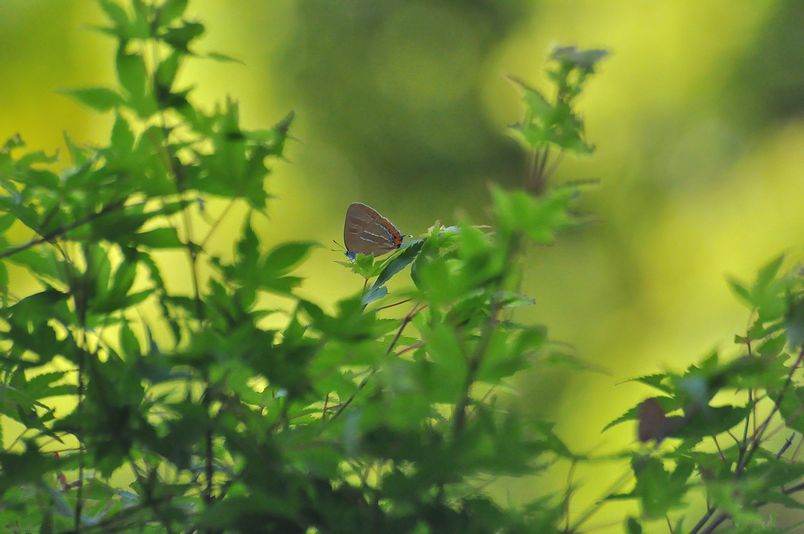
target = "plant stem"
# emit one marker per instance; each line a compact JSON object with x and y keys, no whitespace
{"x":405,"y":321}
{"x":723,"y":516}
{"x":742,"y":463}
{"x":459,"y":417}
{"x":757,"y":437}
{"x":79,"y":499}
{"x":595,"y":506}
{"x":106,"y":210}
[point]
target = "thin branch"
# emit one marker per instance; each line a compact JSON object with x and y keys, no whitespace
{"x":79,"y":499}
{"x":540,"y":173}
{"x":701,"y":522}
{"x":598,"y":504}
{"x":568,"y":495}
{"x":530,"y":167}
{"x":169,"y":161}
{"x":405,"y":321}
{"x":58,"y":232}
{"x":757,"y":438}
{"x":409,"y":348}
{"x":720,"y":452}
{"x":736,"y":441}
{"x":787,"y":443}
{"x":403,"y":301}
{"x":459,"y":415}
{"x":798,"y":448}
{"x":549,"y":172}
{"x":742,"y":463}
{"x":217,"y":223}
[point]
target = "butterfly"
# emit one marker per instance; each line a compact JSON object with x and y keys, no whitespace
{"x":367,"y":232}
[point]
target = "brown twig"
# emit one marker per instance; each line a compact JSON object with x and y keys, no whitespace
{"x":403,"y":301}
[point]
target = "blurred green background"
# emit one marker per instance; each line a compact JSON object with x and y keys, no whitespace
{"x":698,"y":118}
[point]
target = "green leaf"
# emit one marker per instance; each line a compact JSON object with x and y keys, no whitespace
{"x":658,"y":490}
{"x":655,"y":381}
{"x":117,"y":15}
{"x":180,"y":37}
{"x":792,"y":409}
{"x":767,"y":293}
{"x":538,"y":217}
{"x":131,"y":73}
{"x":364,"y":265}
{"x":133,"y":77}
{"x":739,"y":289}
{"x":167,"y":69}
{"x":395,"y":264}
{"x":446,"y":351}
{"x":373,"y":293}
{"x":285,"y":257}
{"x":159,"y":238}
{"x":98,"y":98}
{"x":794,"y":321}
{"x":171,"y":10}
{"x":6,"y":221}
{"x":536,"y":104}
{"x":129,"y":343}
{"x":26,"y":468}
{"x":711,"y":421}
{"x":767,"y":273}
{"x":399,"y":262}
{"x":42,"y":263}
{"x":122,"y":136}
{"x":3,"y":279}
{"x":508,"y":352}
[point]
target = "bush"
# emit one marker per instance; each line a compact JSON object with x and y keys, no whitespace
{"x":365,"y":419}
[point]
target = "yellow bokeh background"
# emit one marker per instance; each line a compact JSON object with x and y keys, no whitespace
{"x":697,"y":115}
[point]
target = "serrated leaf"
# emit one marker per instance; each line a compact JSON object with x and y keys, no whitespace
{"x":659,"y":491}
{"x":654,"y":381}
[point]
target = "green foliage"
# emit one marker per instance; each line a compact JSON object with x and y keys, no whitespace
{"x":388,"y":412}
{"x":763,"y":397}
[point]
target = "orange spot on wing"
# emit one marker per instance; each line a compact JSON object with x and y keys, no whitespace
{"x":394,"y":232}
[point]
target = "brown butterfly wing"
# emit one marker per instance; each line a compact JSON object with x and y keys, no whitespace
{"x":367,"y":232}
